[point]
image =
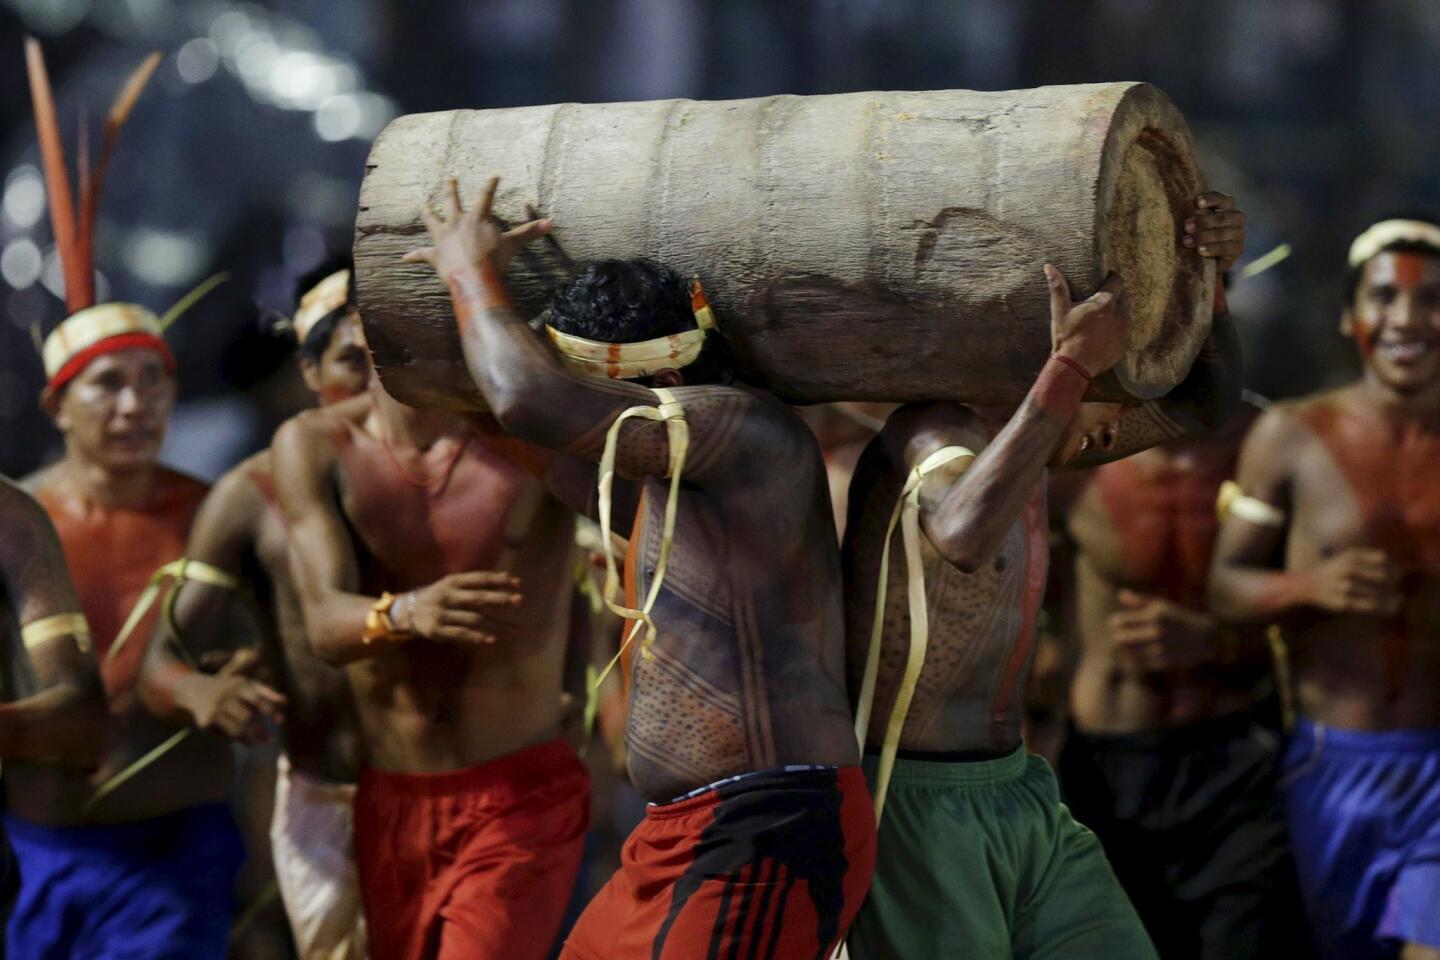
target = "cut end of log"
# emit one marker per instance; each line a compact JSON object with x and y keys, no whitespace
{"x":1142,"y":215}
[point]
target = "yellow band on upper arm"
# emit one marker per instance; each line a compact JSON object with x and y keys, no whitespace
{"x":36,"y":632}
{"x":181,"y":569}
{"x":1233,"y":501}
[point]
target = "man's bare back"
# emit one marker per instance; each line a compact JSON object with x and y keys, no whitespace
{"x":745,"y":673}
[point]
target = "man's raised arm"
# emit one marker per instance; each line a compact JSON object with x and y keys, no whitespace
{"x":342,"y":624}
{"x":64,"y":720}
{"x":967,"y":519}
{"x":529,"y":392}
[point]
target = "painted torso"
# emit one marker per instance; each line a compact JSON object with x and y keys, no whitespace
{"x":112,"y":554}
{"x":1148,"y":523}
{"x":1368,"y":480}
{"x":437,"y":706}
{"x":982,"y":624}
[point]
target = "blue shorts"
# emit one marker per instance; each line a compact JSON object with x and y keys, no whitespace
{"x":1364,"y":811}
{"x":158,"y":889}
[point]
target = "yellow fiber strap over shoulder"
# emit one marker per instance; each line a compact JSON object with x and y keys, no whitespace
{"x":36,"y":632}
{"x":1234,"y":500}
{"x":181,"y":569}
{"x":672,"y":414}
{"x":907,"y":515}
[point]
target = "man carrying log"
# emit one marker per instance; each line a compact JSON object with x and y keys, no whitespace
{"x":52,"y":718}
{"x":1176,"y":735}
{"x":759,"y":840}
{"x":412,"y":535}
{"x":146,"y":866}
{"x":976,"y":852}
{"x":1334,"y":535}
{"x":239,"y":539}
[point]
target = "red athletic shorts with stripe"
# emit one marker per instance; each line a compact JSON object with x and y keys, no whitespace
{"x":770,"y":866}
{"x":474,"y":864}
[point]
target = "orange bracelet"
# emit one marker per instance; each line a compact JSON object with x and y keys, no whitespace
{"x":378,"y":625}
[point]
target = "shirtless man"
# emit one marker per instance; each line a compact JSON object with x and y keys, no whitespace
{"x":977,"y":854}
{"x":413,"y":537}
{"x":759,"y":840}
{"x":1177,"y":727}
{"x":120,"y":516}
{"x":148,"y":869}
{"x":52,"y":705}
{"x":1336,"y":537}
{"x":240,"y":533}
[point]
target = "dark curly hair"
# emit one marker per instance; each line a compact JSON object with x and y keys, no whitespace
{"x":629,"y":301}
{"x":1353,"y":274}
{"x":319,"y":336}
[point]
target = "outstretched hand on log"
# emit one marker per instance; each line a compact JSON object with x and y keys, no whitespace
{"x":1216,"y":229}
{"x":468,"y":239}
{"x":1095,"y":332}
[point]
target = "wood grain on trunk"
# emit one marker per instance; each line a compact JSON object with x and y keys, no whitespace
{"x":867,"y":246}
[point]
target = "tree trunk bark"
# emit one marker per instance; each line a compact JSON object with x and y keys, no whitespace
{"x":868,"y":246}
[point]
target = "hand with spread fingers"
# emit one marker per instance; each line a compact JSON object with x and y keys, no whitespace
{"x":1216,"y":229}
{"x":232,"y":703}
{"x":467,"y":239}
{"x":453,"y":609}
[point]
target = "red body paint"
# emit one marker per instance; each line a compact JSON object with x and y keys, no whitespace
{"x":112,"y":553}
{"x":1390,"y":467}
{"x":1037,"y":557}
{"x":1165,"y":516}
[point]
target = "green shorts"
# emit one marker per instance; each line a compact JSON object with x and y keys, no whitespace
{"x":981,"y":860}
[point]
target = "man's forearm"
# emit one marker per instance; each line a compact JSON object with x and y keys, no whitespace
{"x":166,"y":683}
{"x":1257,"y":594}
{"x":978,"y":511}
{"x":336,"y":626}
{"x":62,"y":724}
{"x":527,"y":390}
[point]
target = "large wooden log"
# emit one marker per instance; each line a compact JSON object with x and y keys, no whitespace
{"x":869,"y":246}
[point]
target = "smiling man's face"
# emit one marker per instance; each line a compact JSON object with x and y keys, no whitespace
{"x":1395,"y":319}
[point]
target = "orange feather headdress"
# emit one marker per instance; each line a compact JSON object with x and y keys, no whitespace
{"x":91,"y":329}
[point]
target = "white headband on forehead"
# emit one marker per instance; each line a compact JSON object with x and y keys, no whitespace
{"x":1387,"y":232}
{"x":324,"y":298}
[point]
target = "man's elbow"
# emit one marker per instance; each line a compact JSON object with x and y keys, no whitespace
{"x":964,"y":546}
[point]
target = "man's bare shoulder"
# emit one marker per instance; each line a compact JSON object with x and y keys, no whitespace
{"x":315,"y":435}
{"x":238,"y":492}
{"x":21,"y":516}
{"x":1286,"y":425}
{"x":920,"y":428}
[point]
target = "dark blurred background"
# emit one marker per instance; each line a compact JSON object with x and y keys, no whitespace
{"x":246,"y":153}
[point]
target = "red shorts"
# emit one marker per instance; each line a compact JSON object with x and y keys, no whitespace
{"x":475,"y":863}
{"x":773,"y":865}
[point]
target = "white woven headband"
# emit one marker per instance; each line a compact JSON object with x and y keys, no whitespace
{"x":1388,"y":232}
